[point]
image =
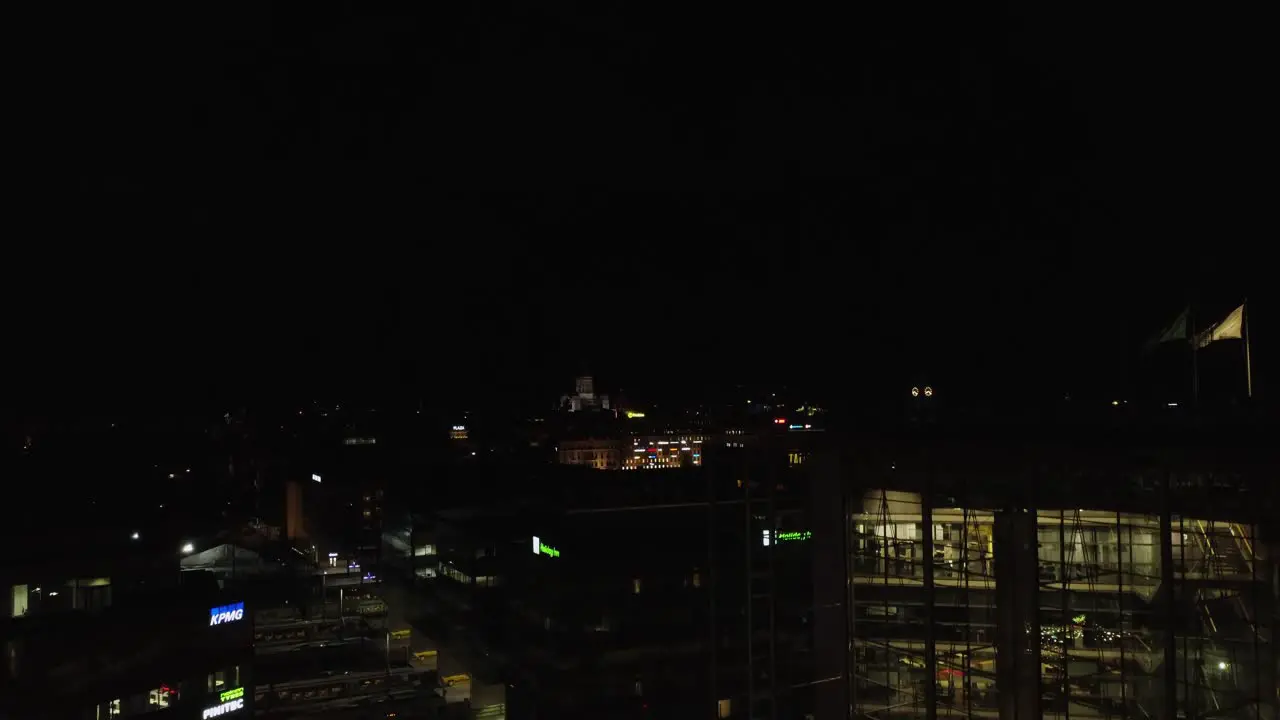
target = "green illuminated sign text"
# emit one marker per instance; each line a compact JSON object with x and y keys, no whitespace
{"x":548,"y":550}
{"x":793,"y":535}
{"x":231,"y":694}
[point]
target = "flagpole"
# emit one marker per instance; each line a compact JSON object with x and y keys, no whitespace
{"x":1195,"y":349}
{"x":1248,"y":361}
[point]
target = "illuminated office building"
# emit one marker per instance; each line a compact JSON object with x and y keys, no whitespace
{"x":1093,"y":587}
{"x":1105,"y":598}
{"x":657,"y":452}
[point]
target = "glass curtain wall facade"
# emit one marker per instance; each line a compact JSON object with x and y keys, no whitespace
{"x":1055,"y":613}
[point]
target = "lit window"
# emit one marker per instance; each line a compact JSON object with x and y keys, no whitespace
{"x":697,"y":579}
{"x":724,"y":709}
{"x":635,"y":586}
{"x":162,"y":696}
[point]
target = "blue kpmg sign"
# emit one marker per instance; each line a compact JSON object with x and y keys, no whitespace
{"x":226,"y":614}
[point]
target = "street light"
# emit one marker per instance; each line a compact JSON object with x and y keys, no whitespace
{"x":134,"y":536}
{"x":188,"y":549}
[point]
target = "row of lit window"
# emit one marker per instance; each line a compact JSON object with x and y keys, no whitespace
{"x":161,"y":697}
{"x":454,"y":574}
{"x":658,"y":465}
{"x":694,"y":580}
{"x":319,"y":693}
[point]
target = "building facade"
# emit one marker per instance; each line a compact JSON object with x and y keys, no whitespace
{"x":189,"y":654}
{"x":1061,"y":612}
{"x":1092,"y":586}
{"x":657,"y":452}
{"x":596,"y":454}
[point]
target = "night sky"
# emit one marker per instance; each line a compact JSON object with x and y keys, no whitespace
{"x":473,"y":202}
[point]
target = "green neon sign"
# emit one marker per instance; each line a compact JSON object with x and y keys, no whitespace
{"x":541,"y":548}
{"x":232,"y":694}
{"x":793,"y":535}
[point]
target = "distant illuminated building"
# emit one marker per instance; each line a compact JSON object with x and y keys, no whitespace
{"x":598,"y":454}
{"x":659,"y":452}
{"x":584,"y":396}
{"x":294,"y":514}
{"x":458,"y":432}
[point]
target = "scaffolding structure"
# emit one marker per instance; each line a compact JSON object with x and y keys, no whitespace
{"x":1025,"y":612}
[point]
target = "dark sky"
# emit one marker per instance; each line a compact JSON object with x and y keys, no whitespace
{"x":482,"y":199}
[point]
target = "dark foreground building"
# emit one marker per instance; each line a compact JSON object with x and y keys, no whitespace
{"x":186,"y":651}
{"x":1009,"y":572}
{"x":623,"y":594}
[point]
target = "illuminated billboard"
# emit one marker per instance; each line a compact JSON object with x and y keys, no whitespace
{"x":224,"y":614}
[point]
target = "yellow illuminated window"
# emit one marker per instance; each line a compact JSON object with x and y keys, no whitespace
{"x":160,"y":697}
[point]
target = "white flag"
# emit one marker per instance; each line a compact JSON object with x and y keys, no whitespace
{"x":1231,"y":328}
